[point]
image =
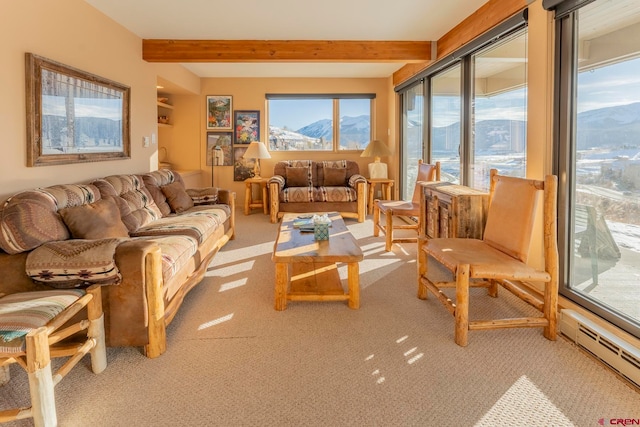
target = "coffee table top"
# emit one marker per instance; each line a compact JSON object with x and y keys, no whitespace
{"x":292,"y":245}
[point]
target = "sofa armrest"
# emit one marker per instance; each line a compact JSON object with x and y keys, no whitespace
{"x":137,"y":302}
{"x":278,"y":180}
{"x":355,"y":179}
{"x":275,"y":186}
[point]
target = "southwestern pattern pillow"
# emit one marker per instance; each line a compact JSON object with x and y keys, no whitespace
{"x":74,"y":263}
{"x":203,"y":196}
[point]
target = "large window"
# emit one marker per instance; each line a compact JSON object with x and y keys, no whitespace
{"x":499,"y":110}
{"x":412,"y":136}
{"x":319,"y":123}
{"x":446,"y":116}
{"x":598,"y":141}
{"x":476,"y":108}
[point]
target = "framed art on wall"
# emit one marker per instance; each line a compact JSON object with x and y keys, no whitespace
{"x":242,"y":168}
{"x":219,"y":109}
{"x":74,"y":116}
{"x":219,"y":149}
{"x":247,"y":126}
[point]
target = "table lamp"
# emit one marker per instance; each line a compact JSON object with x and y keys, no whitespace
{"x":257,"y":151}
{"x":377,"y":149}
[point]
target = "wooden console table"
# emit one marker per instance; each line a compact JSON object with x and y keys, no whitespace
{"x":450,"y":210}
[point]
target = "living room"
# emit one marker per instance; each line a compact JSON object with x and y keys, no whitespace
{"x":75,"y":33}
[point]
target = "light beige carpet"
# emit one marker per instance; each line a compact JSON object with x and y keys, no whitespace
{"x":232,"y":360}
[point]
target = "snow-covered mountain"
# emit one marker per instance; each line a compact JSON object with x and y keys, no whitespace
{"x":355,"y":133}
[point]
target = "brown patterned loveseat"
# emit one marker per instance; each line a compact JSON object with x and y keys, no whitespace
{"x":325,"y":186}
{"x":145,"y":237}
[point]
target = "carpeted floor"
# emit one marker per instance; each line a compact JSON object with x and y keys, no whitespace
{"x":232,"y":360}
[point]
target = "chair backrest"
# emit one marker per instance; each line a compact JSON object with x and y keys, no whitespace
{"x":426,"y":172}
{"x":512,"y":211}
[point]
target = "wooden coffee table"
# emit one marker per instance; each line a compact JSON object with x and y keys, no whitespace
{"x":313,"y":264}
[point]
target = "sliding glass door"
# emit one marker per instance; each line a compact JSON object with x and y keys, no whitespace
{"x":600,"y":155}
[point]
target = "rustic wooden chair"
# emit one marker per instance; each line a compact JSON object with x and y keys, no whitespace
{"x":499,"y":258}
{"x":411,"y":208}
{"x":31,"y":334}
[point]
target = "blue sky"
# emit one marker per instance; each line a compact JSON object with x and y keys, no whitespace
{"x":295,"y":114}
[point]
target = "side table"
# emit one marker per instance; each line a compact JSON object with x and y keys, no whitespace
{"x":385,"y":186}
{"x":249,"y":202}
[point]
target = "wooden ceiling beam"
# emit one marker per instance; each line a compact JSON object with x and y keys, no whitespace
{"x":486,"y":17}
{"x":163,"y":50}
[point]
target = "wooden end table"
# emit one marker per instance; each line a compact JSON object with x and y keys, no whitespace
{"x":314,"y":274}
{"x":385,"y":185}
{"x":249,"y":202}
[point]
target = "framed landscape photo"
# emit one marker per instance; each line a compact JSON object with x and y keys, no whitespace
{"x":219,"y":108}
{"x":74,"y":116}
{"x":219,"y":149}
{"x":246,"y":126}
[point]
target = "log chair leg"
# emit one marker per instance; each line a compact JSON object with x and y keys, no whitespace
{"x":389,"y":230}
{"x":43,"y":402}
{"x":5,"y":375}
{"x":550,"y":310}
{"x":353,"y":277}
{"x":462,"y":305}
{"x":96,"y":330}
{"x":492,"y":290}
{"x":422,"y":270}
{"x":376,"y":220}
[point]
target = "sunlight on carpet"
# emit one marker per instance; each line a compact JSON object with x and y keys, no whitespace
{"x":524,"y":404}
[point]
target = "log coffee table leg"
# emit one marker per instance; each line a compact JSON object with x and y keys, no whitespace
{"x":353,"y":276}
{"x":282,"y":280}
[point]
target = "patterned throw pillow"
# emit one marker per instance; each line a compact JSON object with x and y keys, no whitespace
{"x":203,"y":196}
{"x":74,"y":263}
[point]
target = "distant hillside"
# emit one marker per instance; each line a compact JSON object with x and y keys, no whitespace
{"x":617,"y":126}
{"x":605,"y":127}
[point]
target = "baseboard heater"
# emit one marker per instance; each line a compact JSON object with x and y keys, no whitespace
{"x":616,"y":353}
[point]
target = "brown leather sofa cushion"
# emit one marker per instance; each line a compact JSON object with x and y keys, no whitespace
{"x":335,"y":177}
{"x":97,"y":220}
{"x":177,"y":197}
{"x":297,"y":177}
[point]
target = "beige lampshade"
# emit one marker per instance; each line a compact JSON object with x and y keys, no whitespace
{"x":257,"y":150}
{"x":377,"y":149}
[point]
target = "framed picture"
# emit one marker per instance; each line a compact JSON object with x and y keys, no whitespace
{"x":219,"y":109}
{"x":219,"y":149}
{"x":246,"y":126}
{"x":242,"y":168}
{"x":74,"y":116}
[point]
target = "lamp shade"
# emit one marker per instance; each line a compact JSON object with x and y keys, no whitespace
{"x":377,"y":149}
{"x":257,"y":150}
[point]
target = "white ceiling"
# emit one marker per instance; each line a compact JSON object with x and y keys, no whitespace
{"x":413,"y":20}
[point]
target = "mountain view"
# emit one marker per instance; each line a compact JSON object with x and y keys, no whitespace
{"x":355,"y":133}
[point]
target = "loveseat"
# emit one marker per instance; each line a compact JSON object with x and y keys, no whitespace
{"x":145,"y":238}
{"x":324,"y":186}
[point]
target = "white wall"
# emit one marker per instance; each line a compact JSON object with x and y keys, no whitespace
{"x":75,"y":34}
